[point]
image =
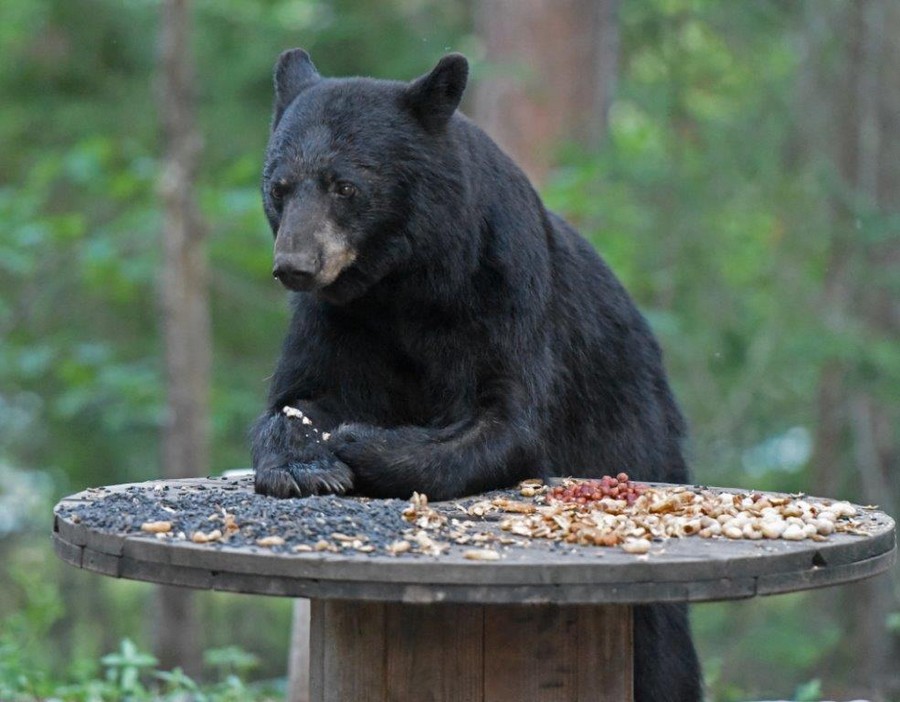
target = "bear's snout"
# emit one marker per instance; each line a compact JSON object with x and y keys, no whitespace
{"x":297,"y":271}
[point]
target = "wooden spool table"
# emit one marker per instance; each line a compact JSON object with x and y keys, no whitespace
{"x":545,"y":623}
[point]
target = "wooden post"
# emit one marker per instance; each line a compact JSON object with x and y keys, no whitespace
{"x":298,"y":658}
{"x":380,"y":652}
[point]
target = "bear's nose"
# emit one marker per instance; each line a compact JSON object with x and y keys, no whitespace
{"x":296,"y":271}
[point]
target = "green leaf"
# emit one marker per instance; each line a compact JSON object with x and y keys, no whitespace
{"x":893,"y":622}
{"x":809,"y":691}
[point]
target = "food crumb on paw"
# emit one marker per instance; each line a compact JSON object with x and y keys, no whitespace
{"x":292,"y":412}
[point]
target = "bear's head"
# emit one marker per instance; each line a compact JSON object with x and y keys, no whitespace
{"x":356,"y":169}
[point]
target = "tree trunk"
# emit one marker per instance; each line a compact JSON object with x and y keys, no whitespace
{"x":551,"y":75}
{"x":185,"y":312}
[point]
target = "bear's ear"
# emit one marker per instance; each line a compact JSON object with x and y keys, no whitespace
{"x":434,"y":97}
{"x":294,"y":72}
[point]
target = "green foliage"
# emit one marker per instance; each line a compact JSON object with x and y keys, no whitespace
{"x":698,"y":199}
{"x":700,"y":203}
{"x":124,"y":668}
{"x":230,"y":660}
{"x":80,"y":372}
{"x":78,"y":176}
{"x":694,"y":218}
{"x":130,"y":677}
{"x":893,"y":623}
{"x":36,"y":607}
{"x":809,"y":692}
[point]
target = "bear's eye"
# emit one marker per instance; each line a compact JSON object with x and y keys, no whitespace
{"x":278,"y":191}
{"x":344,"y":189}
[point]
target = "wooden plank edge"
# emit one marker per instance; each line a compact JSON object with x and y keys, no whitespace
{"x":69,"y":531}
{"x":68,"y":552}
{"x":440,"y":572}
{"x":826,"y":576}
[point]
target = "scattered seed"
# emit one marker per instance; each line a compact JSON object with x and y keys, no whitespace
{"x":514,"y":506}
{"x":399,"y":547}
{"x":636,"y":546}
{"x":515,"y":518}
{"x":199,"y":537}
{"x":156,"y":527}
{"x":479,"y":509}
{"x":269,"y":541}
{"x":772,"y":529}
{"x":793,"y":532}
{"x":732,"y":531}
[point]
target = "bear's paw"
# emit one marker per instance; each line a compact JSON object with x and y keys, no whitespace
{"x":304,"y":479}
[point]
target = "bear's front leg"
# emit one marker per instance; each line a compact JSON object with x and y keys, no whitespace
{"x":443,"y":463}
{"x":290,"y":456}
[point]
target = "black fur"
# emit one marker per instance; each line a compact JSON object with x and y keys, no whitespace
{"x":475,"y":340}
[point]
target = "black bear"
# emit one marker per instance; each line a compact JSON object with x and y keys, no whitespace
{"x":449,"y":334}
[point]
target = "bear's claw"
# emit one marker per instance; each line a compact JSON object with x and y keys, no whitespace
{"x":302,"y":479}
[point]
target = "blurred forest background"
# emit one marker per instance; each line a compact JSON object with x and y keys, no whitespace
{"x":737,"y":163}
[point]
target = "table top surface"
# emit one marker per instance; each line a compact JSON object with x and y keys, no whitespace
{"x":215,"y":533}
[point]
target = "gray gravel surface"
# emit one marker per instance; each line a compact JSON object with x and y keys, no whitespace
{"x":300,"y":522}
{"x":192,"y":509}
